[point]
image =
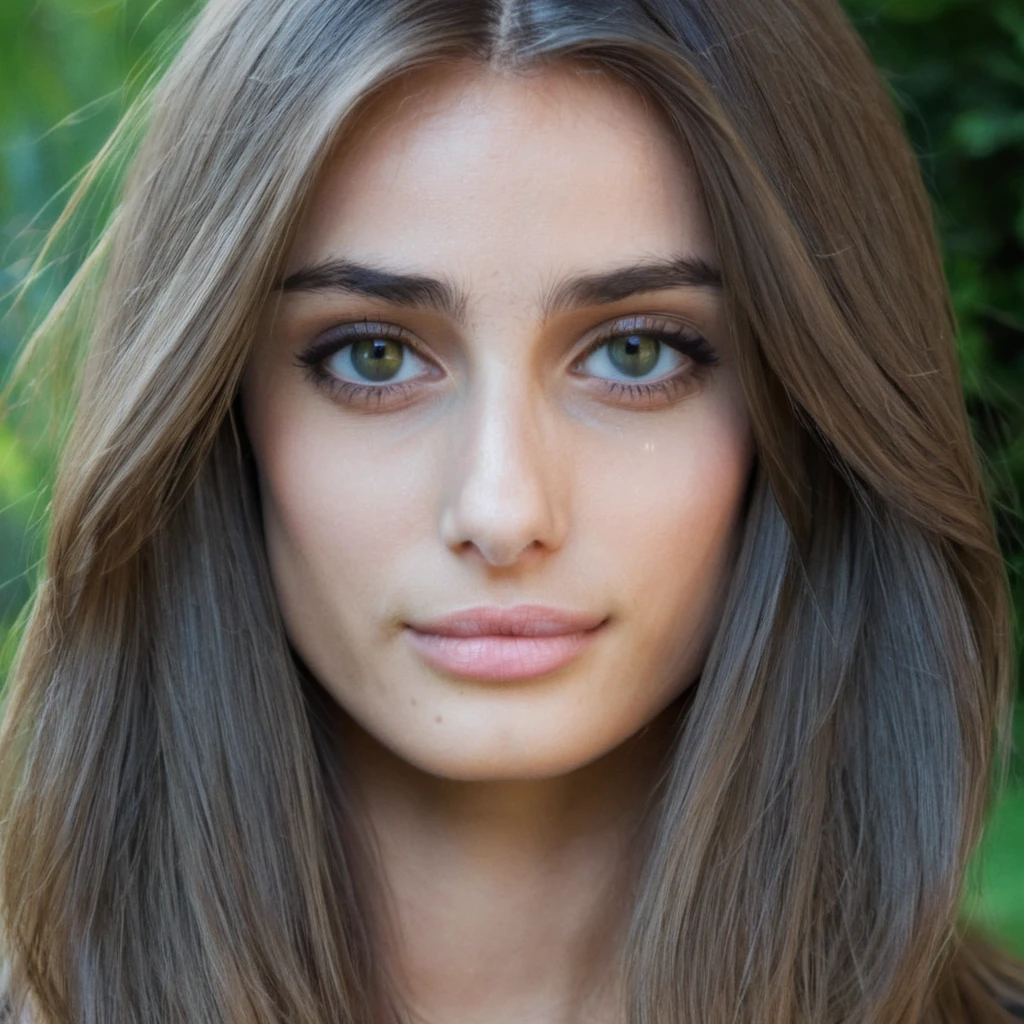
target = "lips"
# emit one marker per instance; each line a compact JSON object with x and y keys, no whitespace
{"x":519,"y":620}
{"x":501,"y":644}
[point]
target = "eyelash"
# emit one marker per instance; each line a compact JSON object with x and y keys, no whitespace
{"x":687,"y":342}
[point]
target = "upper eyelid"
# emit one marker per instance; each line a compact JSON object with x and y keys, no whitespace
{"x":656,"y":323}
{"x":339,"y":336}
{"x":667,"y":323}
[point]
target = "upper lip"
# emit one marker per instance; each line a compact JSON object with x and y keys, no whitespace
{"x":517,"y":620}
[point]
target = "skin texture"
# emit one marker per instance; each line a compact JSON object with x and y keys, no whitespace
{"x":505,"y":473}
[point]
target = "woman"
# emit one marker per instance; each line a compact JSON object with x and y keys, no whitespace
{"x":519,"y":553}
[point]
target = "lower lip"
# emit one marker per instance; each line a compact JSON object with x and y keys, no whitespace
{"x":500,"y":659}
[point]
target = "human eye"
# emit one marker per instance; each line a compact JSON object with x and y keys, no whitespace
{"x":366,"y":364}
{"x":647,"y":360}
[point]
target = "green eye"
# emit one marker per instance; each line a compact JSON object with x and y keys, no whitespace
{"x":634,"y":354}
{"x":377,"y":359}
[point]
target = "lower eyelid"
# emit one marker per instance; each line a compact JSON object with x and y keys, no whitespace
{"x":662,"y":390}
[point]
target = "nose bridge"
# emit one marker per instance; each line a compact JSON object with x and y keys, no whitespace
{"x":505,"y":488}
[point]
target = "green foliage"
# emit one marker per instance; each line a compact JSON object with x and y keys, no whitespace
{"x":69,"y":68}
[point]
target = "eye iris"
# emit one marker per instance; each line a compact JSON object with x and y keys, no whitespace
{"x":377,"y":358}
{"x":635,"y":354}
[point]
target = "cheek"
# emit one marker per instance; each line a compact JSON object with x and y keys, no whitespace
{"x":670,"y":516}
{"x":339,"y":510}
{"x":333,"y":511}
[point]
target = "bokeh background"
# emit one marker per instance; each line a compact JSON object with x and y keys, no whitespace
{"x":69,"y":69}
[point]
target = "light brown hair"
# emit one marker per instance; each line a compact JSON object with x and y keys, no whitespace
{"x":175,"y":844}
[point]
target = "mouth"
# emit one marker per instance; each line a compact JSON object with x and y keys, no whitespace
{"x":494,"y":644}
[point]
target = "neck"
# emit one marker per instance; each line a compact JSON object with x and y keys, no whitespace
{"x":507,"y":900}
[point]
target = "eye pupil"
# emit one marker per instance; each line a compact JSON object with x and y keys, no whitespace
{"x":635,"y":354}
{"x":377,"y":358}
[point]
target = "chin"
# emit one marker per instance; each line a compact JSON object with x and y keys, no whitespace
{"x":477,"y":750}
{"x":478,"y":766}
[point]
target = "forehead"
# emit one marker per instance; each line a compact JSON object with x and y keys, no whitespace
{"x":492,"y":175}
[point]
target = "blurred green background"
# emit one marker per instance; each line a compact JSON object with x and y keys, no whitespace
{"x":68,"y":68}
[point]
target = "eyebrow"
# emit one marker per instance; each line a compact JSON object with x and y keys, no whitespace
{"x":343,"y":275}
{"x":621,"y":282}
{"x":337,"y":274}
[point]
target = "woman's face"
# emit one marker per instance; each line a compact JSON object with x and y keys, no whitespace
{"x":497,"y":375}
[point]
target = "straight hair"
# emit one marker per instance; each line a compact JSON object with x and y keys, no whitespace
{"x":176,"y":844}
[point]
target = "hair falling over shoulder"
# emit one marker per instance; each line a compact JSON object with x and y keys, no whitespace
{"x":175,"y":845}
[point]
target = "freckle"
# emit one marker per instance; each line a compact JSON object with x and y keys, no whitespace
{"x":412,"y":701}
{"x":438,"y":719}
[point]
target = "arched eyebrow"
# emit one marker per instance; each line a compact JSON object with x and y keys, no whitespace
{"x":418,"y":290}
{"x":619,"y":283}
{"x":342,"y":275}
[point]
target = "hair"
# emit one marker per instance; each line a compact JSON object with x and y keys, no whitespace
{"x":176,"y":846}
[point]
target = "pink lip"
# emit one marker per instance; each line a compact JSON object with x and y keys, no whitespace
{"x":501,"y":644}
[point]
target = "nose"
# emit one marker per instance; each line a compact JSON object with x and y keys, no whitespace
{"x":506,"y":484}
